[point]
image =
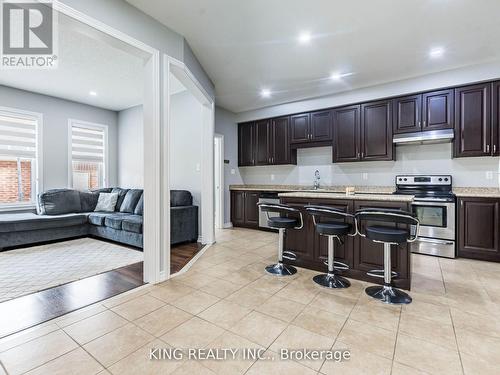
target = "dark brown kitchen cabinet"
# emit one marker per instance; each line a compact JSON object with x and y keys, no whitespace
{"x":473,"y":121}
{"x":311,"y":127}
{"x":437,"y":110}
{"x":407,"y":114}
{"x":244,"y":209}
{"x":346,"y":128}
{"x":262,"y":142}
{"x":495,"y":119}
{"x":376,"y":131}
{"x":479,"y":227}
{"x":280,"y":142}
{"x":246,"y":144}
{"x":299,"y":128}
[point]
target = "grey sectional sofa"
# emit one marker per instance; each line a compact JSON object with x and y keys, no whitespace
{"x":64,"y":214}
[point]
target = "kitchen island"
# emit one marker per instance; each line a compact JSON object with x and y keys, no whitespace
{"x":361,"y":254}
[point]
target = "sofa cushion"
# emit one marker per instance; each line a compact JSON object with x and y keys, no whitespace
{"x":180,"y":198}
{"x":31,"y":221}
{"x":88,"y":201}
{"x":97,"y":218}
{"x":59,"y":201}
{"x":132,"y":223}
{"x":121,"y":196}
{"x":106,"y":202}
{"x":115,"y":220}
{"x":130,"y":200}
{"x":139,"y":209}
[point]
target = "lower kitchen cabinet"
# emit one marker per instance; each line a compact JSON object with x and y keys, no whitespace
{"x":244,"y":210}
{"x":479,"y":227}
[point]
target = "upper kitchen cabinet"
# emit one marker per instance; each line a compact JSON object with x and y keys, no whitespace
{"x":262,"y":142}
{"x":495,"y":119}
{"x":407,"y":114}
{"x":376,"y":131}
{"x":346,"y":129}
{"x":437,"y":110}
{"x":246,"y":144}
{"x":280,"y":142}
{"x":473,"y":121}
{"x":311,"y":127}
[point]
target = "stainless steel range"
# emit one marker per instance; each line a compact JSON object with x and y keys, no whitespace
{"x":434,"y":205}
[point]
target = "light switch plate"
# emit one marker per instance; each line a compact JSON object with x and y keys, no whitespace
{"x":272,"y":177}
{"x":365,"y":176}
{"x":233,"y":171}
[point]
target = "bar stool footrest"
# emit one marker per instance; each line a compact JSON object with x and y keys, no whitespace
{"x":288,"y":255}
{"x":380,"y":274}
{"x":339,"y":266}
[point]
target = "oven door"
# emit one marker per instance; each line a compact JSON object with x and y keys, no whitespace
{"x":437,"y":219}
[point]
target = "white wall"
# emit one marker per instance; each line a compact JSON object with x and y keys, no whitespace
{"x":185,"y":145}
{"x":225,"y":124}
{"x":410,"y":159}
{"x":56,"y":113}
{"x":131,"y":148}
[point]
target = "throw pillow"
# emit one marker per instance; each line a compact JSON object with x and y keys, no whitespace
{"x":106,"y":202}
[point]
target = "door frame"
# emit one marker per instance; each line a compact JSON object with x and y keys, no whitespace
{"x":155,"y":219}
{"x":221,"y":192}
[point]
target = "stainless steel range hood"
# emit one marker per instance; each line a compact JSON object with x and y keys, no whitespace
{"x":424,"y":137}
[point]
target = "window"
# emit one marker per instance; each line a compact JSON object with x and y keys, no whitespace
{"x":88,"y":160}
{"x":20,"y":156}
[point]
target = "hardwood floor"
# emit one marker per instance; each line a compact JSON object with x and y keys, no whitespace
{"x":180,"y":255}
{"x":30,"y":310}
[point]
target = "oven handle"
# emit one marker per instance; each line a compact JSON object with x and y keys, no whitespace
{"x":434,"y":203}
{"x":437,"y":242}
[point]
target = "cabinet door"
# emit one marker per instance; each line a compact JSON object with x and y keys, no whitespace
{"x":437,"y":110}
{"x":280,"y":142}
{"x":479,"y":228}
{"x":473,"y":120}
{"x":238,"y":208}
{"x":346,"y":124}
{"x":262,"y":143}
{"x":299,"y":128}
{"x":407,"y":115}
{"x":251,"y":209}
{"x":300,"y":241}
{"x":376,"y":131}
{"x":246,"y":156}
{"x":321,"y":126}
{"x":495,"y":119}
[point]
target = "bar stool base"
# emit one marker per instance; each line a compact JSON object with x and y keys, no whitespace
{"x":331,"y":281}
{"x":280,"y":269}
{"x":388,"y":294}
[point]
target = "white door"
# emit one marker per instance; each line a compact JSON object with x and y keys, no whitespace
{"x":218,"y":181}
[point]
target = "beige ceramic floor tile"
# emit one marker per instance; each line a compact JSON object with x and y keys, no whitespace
{"x":269,"y":284}
{"x":194,"y":280}
{"x":78,"y":315}
{"x":425,"y":356}
{"x":95,"y":326}
{"x":322,"y":322}
{"x":118,"y":344}
{"x":170,"y":291}
{"x":431,"y":311}
{"x":359,"y":362}
{"x":333,"y":303}
{"x":259,"y":328}
{"x":480,"y":346}
{"x":298,"y":338}
{"x":138,"y":307}
{"x":249,"y":297}
{"x":477,"y":366}
{"x":162,"y":320}
{"x":26,"y":335}
{"x":220,"y":288}
{"x":193,"y":368}
{"x":377,"y":314}
{"x":482,"y":324}
{"x":278,"y":367}
{"x":195,"y":302}
{"x":299,"y":291}
{"x":195,"y":333}
{"x":368,"y":338}
{"x":400,"y":369}
{"x":36,"y":352}
{"x":224,"y":313}
{"x":76,"y":362}
{"x":124,"y":297}
{"x":281,"y":308}
{"x":428,"y":330}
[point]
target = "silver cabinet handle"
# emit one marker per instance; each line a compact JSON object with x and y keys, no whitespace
{"x":494,"y":149}
{"x":487,"y":148}
{"x":358,"y":155}
{"x":420,"y":124}
{"x":424,"y":123}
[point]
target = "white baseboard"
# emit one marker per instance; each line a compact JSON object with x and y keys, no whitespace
{"x":228,"y":225}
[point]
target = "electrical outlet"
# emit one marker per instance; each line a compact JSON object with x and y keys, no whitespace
{"x":233,"y":171}
{"x":365,"y":176}
{"x":272,"y":177}
{"x":198,"y":167}
{"x":489,"y":175}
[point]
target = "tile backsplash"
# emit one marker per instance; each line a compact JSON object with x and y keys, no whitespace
{"x":410,"y":159}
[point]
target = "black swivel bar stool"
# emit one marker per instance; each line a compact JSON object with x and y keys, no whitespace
{"x":331,"y":222}
{"x":282,"y":223}
{"x":388,"y":235}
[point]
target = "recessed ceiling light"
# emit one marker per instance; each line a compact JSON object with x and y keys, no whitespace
{"x":265,"y":93}
{"x":338,"y":76}
{"x":92,"y":93}
{"x":436,"y":52}
{"x":305,"y":37}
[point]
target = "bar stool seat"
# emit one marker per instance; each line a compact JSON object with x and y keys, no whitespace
{"x":283,"y":222}
{"x":387,"y":234}
{"x":330,"y":229}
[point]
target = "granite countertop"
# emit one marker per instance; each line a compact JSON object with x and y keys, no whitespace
{"x":357,"y":196}
{"x":479,"y":192}
{"x":323,"y":189}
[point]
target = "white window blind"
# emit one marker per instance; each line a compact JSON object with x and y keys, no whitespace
{"x":18,"y":135}
{"x":87,"y":144}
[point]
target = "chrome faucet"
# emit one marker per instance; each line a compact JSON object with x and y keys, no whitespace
{"x":317,"y":177}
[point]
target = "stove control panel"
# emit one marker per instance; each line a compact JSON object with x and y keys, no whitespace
{"x":423,"y":180}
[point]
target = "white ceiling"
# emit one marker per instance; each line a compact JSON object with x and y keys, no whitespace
{"x":88,"y":61}
{"x":246,"y":46}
